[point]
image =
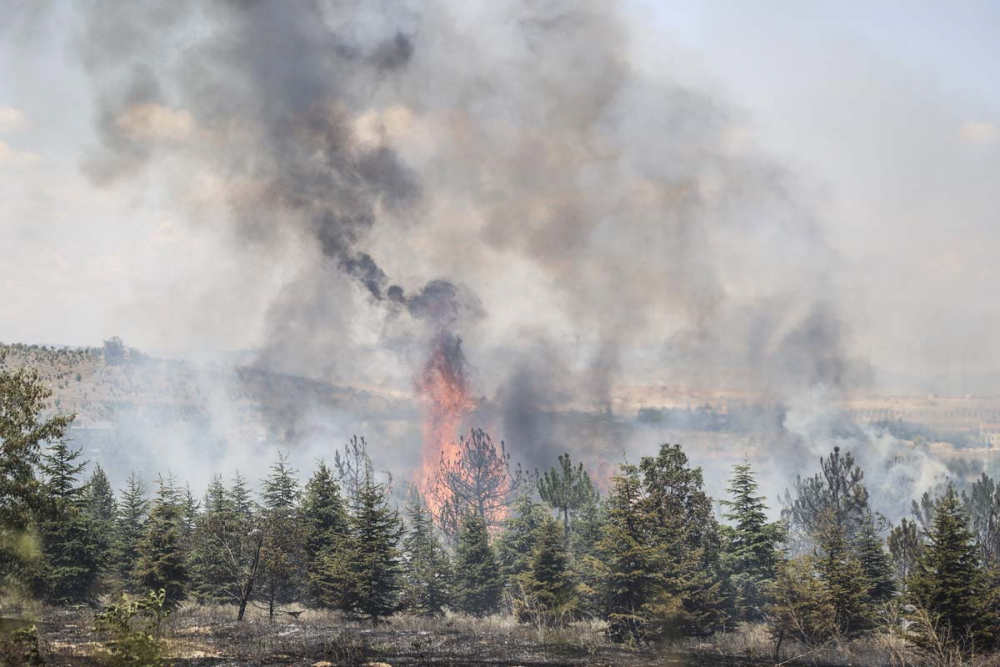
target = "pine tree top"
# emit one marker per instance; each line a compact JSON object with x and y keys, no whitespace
{"x":167,"y":492}
{"x":567,"y":487}
{"x":281,"y":487}
{"x":134,"y":505}
{"x":99,"y":496}
{"x":240,"y":498}
{"x":62,"y":472}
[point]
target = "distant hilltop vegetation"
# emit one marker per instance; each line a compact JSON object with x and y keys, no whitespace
{"x":100,"y":384}
{"x":106,"y":387}
{"x":93,"y":382}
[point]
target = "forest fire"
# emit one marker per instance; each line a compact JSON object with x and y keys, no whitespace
{"x":444,"y":392}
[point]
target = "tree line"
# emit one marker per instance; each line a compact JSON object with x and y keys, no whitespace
{"x":651,"y":555}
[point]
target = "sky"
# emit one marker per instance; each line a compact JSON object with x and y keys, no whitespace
{"x":891,"y":111}
{"x":884,"y":120}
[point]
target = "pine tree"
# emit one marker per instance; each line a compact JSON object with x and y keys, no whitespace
{"x":660,"y":553}
{"x":189,"y":512}
{"x":547,"y":593}
{"x":630,"y":563}
{"x":837,"y":494}
{"x":100,"y":505}
{"x":426,"y":567}
{"x":324,"y":524}
{"x":229,"y":544}
{"x":240,"y":497}
{"x":923,"y":512}
{"x":282,"y":554}
{"x":71,"y":547}
{"x":800,"y":606}
{"x":982,"y":505}
{"x":752,"y":549}
{"x":281,"y":489}
{"x":352,"y":466}
{"x":566,"y":489}
{"x":875,"y":563}
{"x":516,"y":540}
{"x":477,"y":575}
{"x":948,"y":584}
{"x":22,"y":432}
{"x":845,"y":578}
{"x":477,"y":479}
{"x":586,"y":532}
{"x":362,"y":578}
{"x":682,"y":524}
{"x":207,"y":562}
{"x":61,"y":473}
{"x":162,"y":561}
{"x":216,"y":498}
{"x":133,"y":510}
{"x":904,"y":550}
{"x":99,"y":498}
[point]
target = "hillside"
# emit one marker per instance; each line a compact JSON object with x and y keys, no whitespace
{"x":85,"y":384}
{"x":135,"y":411}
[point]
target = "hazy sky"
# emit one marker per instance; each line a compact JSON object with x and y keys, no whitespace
{"x":892,"y":112}
{"x":884,"y":117}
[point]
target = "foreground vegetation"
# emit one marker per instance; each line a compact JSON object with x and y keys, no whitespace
{"x":209,"y":635}
{"x":494,"y":565}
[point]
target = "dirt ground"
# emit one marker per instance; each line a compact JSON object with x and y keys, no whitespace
{"x":203,"y":636}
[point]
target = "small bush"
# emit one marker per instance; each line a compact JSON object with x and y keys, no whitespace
{"x":131,"y":630}
{"x":21,"y":648}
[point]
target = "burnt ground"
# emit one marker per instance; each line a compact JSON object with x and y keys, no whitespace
{"x":208,"y":636}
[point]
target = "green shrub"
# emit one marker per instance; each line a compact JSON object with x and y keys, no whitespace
{"x":21,"y":648}
{"x":131,"y":630}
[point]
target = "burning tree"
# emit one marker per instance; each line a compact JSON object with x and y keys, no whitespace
{"x":444,"y":391}
{"x":477,"y":479}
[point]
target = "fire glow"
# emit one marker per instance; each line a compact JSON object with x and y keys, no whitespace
{"x":444,"y":392}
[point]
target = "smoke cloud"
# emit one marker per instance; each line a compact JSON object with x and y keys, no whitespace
{"x":333,"y":126}
{"x":398,"y":174}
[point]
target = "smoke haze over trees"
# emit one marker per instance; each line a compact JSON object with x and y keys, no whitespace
{"x":649,"y":560}
{"x":355,"y":197}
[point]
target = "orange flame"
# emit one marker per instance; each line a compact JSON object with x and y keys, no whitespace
{"x":444,"y":392}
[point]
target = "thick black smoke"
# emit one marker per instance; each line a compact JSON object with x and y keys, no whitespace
{"x":269,"y":95}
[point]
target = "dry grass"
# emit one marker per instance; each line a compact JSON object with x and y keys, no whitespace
{"x":749,"y":640}
{"x":24,"y":607}
{"x":194,"y":619}
{"x":211,"y":633}
{"x":504,"y":627}
{"x":753,"y":643}
{"x":197,"y":631}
